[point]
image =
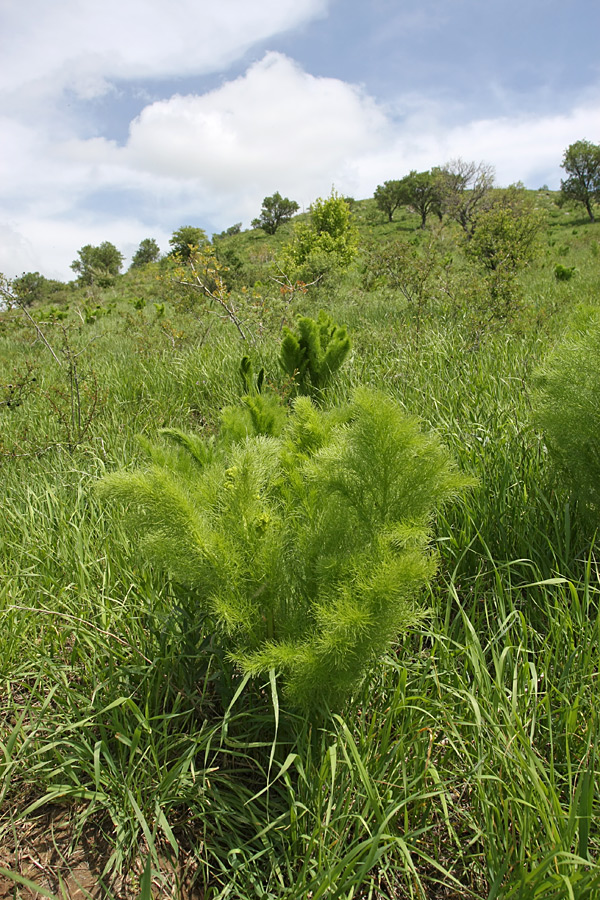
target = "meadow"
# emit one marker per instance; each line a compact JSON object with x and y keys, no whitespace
{"x":465,"y":765}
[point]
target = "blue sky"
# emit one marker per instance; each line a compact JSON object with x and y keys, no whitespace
{"x":126,"y":119}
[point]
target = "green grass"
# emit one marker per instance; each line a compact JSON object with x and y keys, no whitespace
{"x":464,"y":767}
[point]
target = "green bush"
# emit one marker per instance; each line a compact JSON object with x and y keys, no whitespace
{"x":305,"y":551}
{"x":328,"y":243}
{"x":567,"y":409}
{"x":314,"y":353}
{"x":563,"y":273}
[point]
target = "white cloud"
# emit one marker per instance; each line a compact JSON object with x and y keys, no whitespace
{"x":17,"y":253}
{"x":211,"y":157}
{"x":83,"y":44}
{"x":275,"y":128}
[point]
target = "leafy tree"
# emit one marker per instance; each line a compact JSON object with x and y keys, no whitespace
{"x":581,"y":161}
{"x":388,"y":197}
{"x":31,"y":287}
{"x":233,"y":229}
{"x":147,"y":252}
{"x":507,"y":232}
{"x":464,"y":190}
{"x":504,"y":242}
{"x":185,"y":241}
{"x":303,"y":553}
{"x":421,"y":191}
{"x":275,"y":210}
{"x":98,"y":265}
{"x":328,"y":241}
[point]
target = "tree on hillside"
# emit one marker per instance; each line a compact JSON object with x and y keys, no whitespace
{"x":275,"y":210}
{"x":464,"y":190}
{"x":507,"y":232}
{"x":98,"y":265}
{"x":421,"y":191}
{"x":388,"y":197}
{"x":328,"y":241}
{"x":228,"y":232}
{"x":147,"y":252}
{"x":331,"y":217}
{"x":581,"y":161}
{"x":31,"y":287}
{"x":186,"y":240}
{"x":504,"y":242}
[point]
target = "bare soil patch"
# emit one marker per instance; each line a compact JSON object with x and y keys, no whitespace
{"x":46,"y":851}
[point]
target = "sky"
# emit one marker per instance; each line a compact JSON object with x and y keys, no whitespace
{"x":127,"y":119}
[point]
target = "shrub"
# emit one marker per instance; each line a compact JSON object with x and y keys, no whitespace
{"x":328,"y":243}
{"x":504,"y":240}
{"x":507,"y":233}
{"x":403,"y":267}
{"x":313,"y":354}
{"x":567,"y":409}
{"x":305,"y":551}
{"x":31,"y":287}
{"x":563,"y":273}
{"x":228,"y":232}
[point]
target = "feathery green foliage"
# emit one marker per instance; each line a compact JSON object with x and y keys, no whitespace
{"x":315,"y":353}
{"x":247,"y":376}
{"x":567,"y":409}
{"x":563,"y":273}
{"x":255,"y":414}
{"x":307,"y":558}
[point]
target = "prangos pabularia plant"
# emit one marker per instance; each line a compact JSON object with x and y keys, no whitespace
{"x":307,"y":550}
{"x":567,"y":410}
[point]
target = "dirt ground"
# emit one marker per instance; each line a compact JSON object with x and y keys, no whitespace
{"x":42,"y":853}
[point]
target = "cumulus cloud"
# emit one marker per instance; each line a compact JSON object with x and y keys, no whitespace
{"x":213,"y":156}
{"x":276,"y":127}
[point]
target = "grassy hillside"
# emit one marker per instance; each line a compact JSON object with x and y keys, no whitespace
{"x":465,"y":766}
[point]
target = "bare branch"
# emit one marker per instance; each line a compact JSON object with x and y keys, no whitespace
{"x":14,"y":300}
